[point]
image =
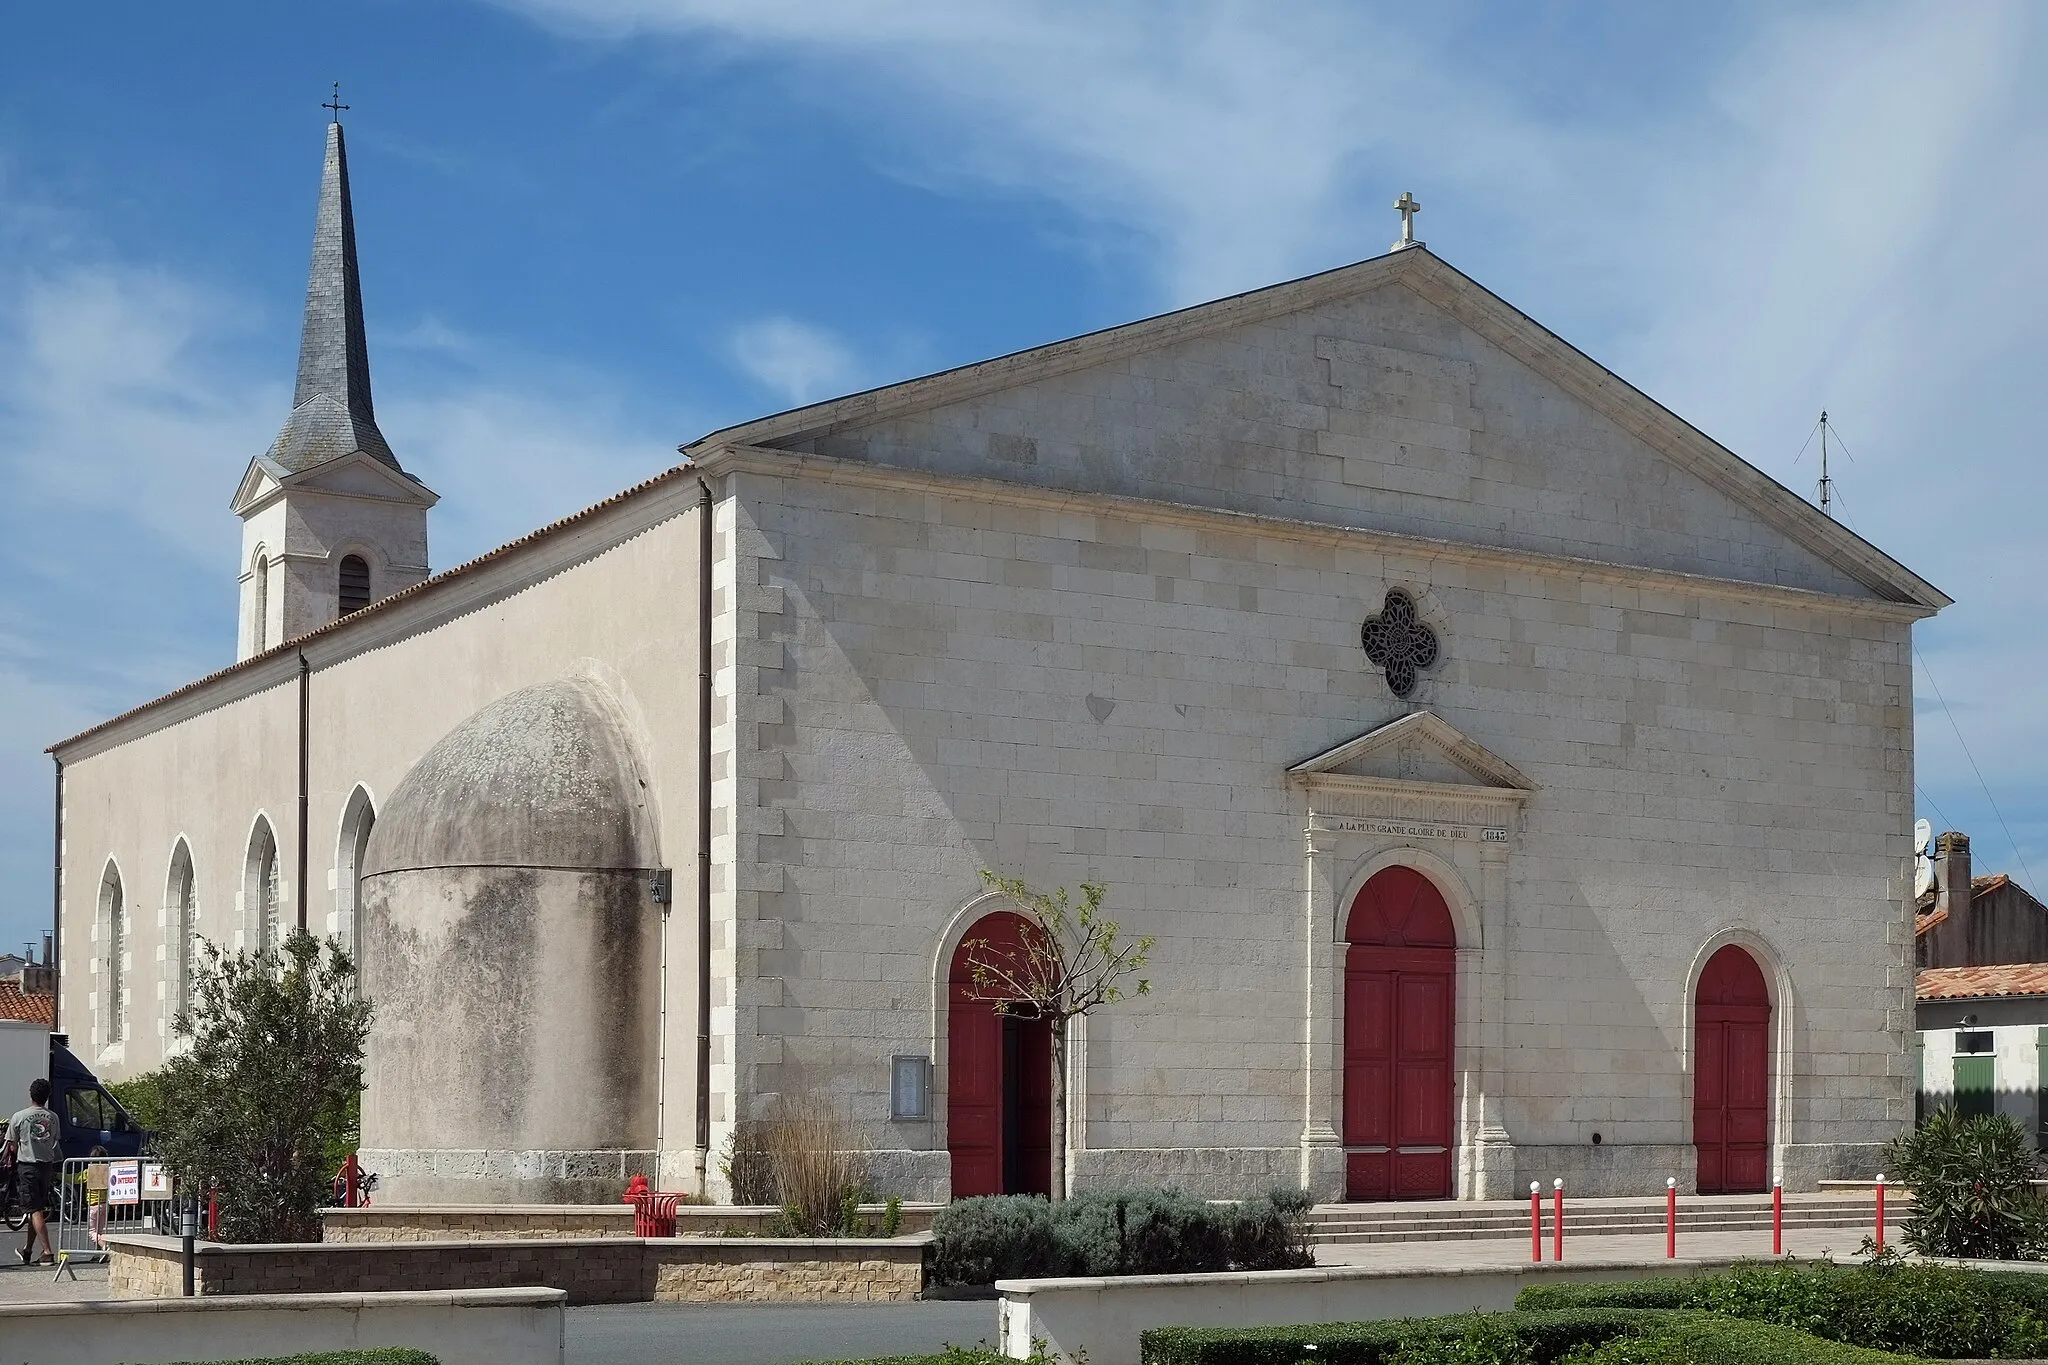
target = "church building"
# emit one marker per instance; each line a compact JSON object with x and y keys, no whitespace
{"x":1517,"y":782}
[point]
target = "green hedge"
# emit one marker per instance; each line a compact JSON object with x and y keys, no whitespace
{"x":1544,"y":1335}
{"x":1939,"y":1312}
{"x":1116,"y":1232}
{"x":1587,"y":1336}
{"x":383,"y":1355}
{"x":1709,"y":1339}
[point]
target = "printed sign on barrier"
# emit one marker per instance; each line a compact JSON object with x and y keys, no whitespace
{"x":156,"y":1181}
{"x":124,"y":1182}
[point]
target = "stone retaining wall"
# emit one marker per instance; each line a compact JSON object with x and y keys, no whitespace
{"x":447,"y":1222}
{"x":590,"y":1269}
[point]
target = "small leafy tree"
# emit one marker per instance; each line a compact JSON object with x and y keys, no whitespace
{"x":1076,"y":961}
{"x":269,"y":1086}
{"x":1972,"y":1182}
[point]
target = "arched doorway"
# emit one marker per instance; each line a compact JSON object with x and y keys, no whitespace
{"x":1731,"y":1079}
{"x":999,"y":1077}
{"x":1400,"y":978}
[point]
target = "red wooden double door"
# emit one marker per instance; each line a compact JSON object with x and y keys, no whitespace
{"x":1731,"y":1094}
{"x":1400,"y":1012}
{"x":999,"y":1079}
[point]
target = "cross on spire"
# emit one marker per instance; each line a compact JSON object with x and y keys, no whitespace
{"x":334,"y":102}
{"x":1409,"y":206}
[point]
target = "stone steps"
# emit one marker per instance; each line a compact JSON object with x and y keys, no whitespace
{"x":1374,"y":1223}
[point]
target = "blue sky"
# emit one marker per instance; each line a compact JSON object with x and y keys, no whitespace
{"x":592,"y":230}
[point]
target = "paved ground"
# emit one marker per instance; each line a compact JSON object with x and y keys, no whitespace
{"x":770,"y":1333}
{"x":34,"y":1284}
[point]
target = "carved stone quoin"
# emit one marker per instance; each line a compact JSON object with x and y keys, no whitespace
{"x":1398,"y":642}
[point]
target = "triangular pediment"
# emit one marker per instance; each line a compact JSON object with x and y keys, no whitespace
{"x":357,"y":475}
{"x":1396,"y":395}
{"x":362,"y":475}
{"x":1421,"y":749}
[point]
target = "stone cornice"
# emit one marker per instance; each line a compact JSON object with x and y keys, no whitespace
{"x":786,"y":464}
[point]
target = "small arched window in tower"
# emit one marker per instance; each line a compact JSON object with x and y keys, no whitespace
{"x":113,"y":926}
{"x":259,"y":602}
{"x":355,"y":583}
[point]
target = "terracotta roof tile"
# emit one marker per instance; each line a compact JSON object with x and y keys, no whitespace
{"x":1972,"y":983}
{"x":18,"y":1004}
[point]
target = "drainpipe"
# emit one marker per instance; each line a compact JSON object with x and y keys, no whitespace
{"x":57,"y":900}
{"x":703,"y":835}
{"x":305,"y":693}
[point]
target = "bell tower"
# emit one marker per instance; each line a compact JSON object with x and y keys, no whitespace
{"x":331,"y":522}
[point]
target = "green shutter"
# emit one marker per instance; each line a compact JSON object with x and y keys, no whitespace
{"x":1976,"y":1077}
{"x":2041,"y":1087}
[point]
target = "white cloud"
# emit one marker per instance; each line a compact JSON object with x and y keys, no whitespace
{"x":797,"y":361}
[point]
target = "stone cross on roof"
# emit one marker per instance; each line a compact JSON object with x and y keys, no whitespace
{"x":1409,"y":206}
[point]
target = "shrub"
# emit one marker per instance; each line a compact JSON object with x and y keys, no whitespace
{"x":1118,"y":1232}
{"x":1534,"y":1338}
{"x":745,"y":1165}
{"x":1703,"y":1339}
{"x":804,"y":1157}
{"x":1972,"y":1191}
{"x":383,"y":1355}
{"x":1142,"y":1232}
{"x":996,"y":1237}
{"x":1523,"y":1337}
{"x":1272,"y":1233}
{"x":1933,"y":1311}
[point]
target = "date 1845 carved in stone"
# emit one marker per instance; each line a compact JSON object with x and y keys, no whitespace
{"x":1399,"y":642}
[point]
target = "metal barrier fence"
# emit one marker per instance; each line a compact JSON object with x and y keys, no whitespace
{"x":100,"y":1195}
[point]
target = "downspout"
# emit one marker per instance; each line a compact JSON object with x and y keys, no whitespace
{"x":57,"y":902}
{"x":305,"y":679}
{"x":703,"y":835}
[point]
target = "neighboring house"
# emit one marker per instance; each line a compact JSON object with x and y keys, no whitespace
{"x":1982,"y":993}
{"x":36,"y":1008}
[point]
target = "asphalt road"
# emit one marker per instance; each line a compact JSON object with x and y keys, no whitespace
{"x":771,"y":1333}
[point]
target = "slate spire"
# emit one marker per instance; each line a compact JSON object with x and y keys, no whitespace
{"x":332,"y":414}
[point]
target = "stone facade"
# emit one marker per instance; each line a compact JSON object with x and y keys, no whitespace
{"x":591,"y":1270}
{"x":1094,"y":613}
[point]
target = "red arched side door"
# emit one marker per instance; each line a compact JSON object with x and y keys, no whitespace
{"x":999,"y":1078}
{"x":1400,"y":976}
{"x":1731,"y":1092}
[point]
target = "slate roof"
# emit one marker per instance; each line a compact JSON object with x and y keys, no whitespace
{"x":332,"y":415}
{"x":1976,"y":983}
{"x":16,"y":1003}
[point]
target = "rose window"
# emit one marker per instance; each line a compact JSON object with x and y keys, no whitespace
{"x":1399,"y":642}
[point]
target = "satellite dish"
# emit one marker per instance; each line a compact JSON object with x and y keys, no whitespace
{"x":1923,"y":834}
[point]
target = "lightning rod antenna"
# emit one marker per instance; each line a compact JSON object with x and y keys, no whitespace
{"x":1827,"y":485}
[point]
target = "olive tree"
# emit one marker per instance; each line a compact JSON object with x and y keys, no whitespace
{"x":268,"y":1086}
{"x":1073,"y":961}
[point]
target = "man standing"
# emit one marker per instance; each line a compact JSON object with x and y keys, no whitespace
{"x":39,"y":1160}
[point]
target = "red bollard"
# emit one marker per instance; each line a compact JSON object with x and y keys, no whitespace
{"x":1880,"y":1210}
{"x":1778,"y":1216}
{"x":1670,"y":1218}
{"x":1535,"y":1220}
{"x":213,"y":1214}
{"x":1557,"y":1223}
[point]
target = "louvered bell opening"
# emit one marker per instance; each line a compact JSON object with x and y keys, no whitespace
{"x":355,"y":584}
